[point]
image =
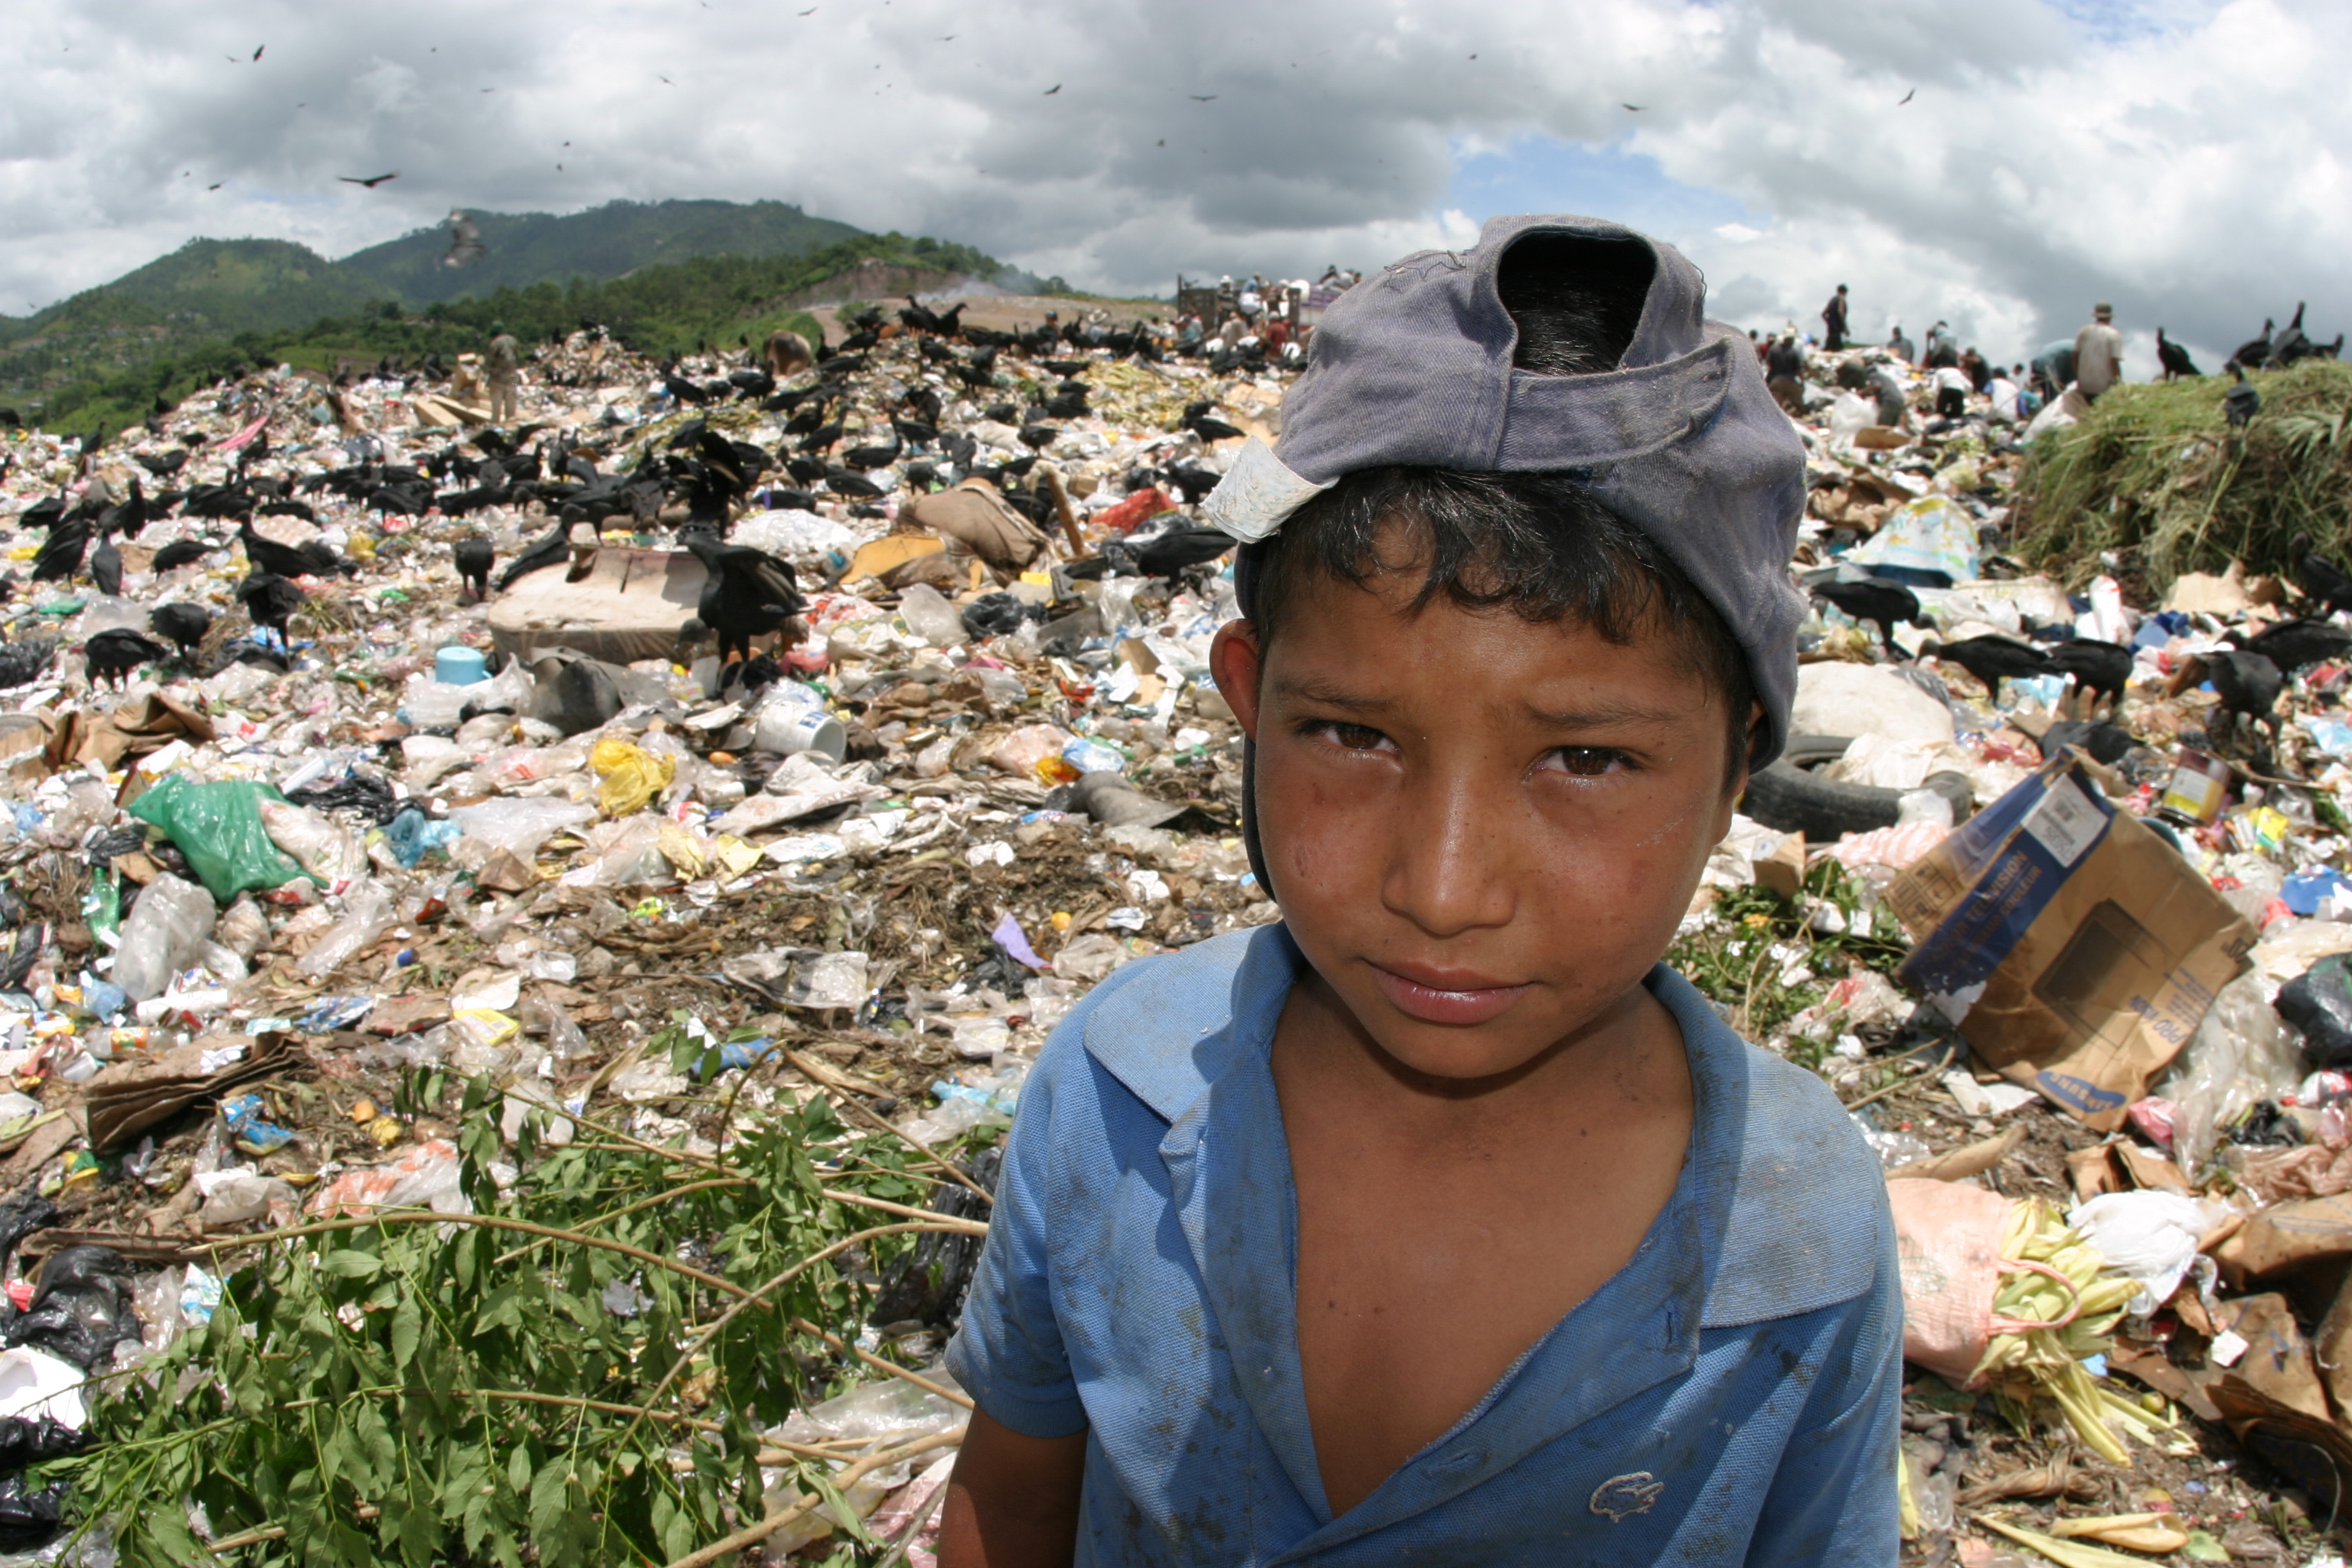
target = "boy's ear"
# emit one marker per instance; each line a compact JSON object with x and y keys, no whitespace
{"x":1234,"y":661}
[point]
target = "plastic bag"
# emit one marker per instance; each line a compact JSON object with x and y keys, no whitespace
{"x":368,"y":913}
{"x":2238,"y":1056}
{"x":165,"y":932}
{"x":412,"y":835}
{"x":632,"y":777}
{"x":218,"y":827}
{"x":628,"y":855}
{"x":321,"y":846}
{"x":2319,"y":1003}
{"x":2150,"y":1236}
{"x":929,"y":617}
{"x":84,"y":1308}
{"x":519,"y":826}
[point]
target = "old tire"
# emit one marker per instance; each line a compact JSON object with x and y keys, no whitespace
{"x":1788,"y":796}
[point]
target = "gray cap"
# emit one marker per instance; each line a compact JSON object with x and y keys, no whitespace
{"x":1683,"y":440}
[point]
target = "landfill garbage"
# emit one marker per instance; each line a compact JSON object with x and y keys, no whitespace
{"x":441,"y":910}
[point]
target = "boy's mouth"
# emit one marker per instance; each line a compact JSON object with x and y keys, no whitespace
{"x":1436,"y":998}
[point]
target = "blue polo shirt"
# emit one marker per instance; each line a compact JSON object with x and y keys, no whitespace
{"x":1731,"y":1395}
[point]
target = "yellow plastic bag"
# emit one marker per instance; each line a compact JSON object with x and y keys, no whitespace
{"x":631,"y":776}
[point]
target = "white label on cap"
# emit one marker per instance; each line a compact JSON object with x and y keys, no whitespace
{"x":1257,"y":494}
{"x":2065,"y":822}
{"x":2229,"y":1347}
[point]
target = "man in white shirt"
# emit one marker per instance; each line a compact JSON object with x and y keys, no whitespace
{"x":2098,"y":354}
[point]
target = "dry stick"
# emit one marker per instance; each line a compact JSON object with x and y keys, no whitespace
{"x":1900,"y":1083}
{"x":915,"y":1527}
{"x":875,"y":1361}
{"x":751,"y":1534}
{"x":1065,"y":511}
{"x":825,"y":1077}
{"x":628,"y":1209}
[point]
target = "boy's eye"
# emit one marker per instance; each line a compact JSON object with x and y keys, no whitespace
{"x":1354,"y":737}
{"x":1587,"y":761}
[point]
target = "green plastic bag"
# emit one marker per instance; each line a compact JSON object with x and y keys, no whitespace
{"x":218,"y":827}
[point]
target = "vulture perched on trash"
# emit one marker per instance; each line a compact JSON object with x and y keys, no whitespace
{"x":746,"y":593}
{"x":2101,"y":669}
{"x":2321,"y":578}
{"x":474,"y":557}
{"x":114,"y":653}
{"x":2174,"y":358}
{"x":1873,"y":599}
{"x":2249,"y":685}
{"x":1991,"y":660}
{"x":2296,"y":645}
{"x":271,"y":600}
{"x":184,"y":624}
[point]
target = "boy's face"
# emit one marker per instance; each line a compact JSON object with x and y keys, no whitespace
{"x":1483,"y":832}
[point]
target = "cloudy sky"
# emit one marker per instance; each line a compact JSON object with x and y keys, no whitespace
{"x":2173,"y":155}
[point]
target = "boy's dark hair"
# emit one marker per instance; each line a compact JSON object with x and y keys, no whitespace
{"x":1536,"y":543}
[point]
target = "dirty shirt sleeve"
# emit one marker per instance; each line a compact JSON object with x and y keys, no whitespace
{"x":1832,"y":1500}
{"x":1008,"y":1352}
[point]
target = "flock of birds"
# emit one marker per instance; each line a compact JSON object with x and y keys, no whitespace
{"x":2276,"y":348}
{"x":2248,"y":677}
{"x":748,"y":594}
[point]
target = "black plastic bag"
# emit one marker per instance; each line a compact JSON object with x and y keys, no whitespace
{"x":24,"y":1442}
{"x":84,"y":1308}
{"x":993,"y":616}
{"x":928,"y":1284}
{"x":2319,"y":1003}
{"x":28,"y":1518}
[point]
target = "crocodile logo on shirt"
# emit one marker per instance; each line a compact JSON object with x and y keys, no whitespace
{"x":1621,"y":1497}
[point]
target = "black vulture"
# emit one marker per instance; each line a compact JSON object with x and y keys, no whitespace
{"x":2100,"y":668}
{"x":2242,"y":402}
{"x":2289,"y":344}
{"x":874,"y":457}
{"x":106,"y":568}
{"x":2255,"y":352}
{"x":2174,"y":358}
{"x":184,"y":624}
{"x":1991,"y":660}
{"x":312,"y":558}
{"x":1179,"y":548}
{"x":2248,"y":687}
{"x":270,"y":600}
{"x":1873,"y":599}
{"x":163,"y":465}
{"x":474,"y":558}
{"x":181,"y":553}
{"x":746,"y":593}
{"x":549,"y":548}
{"x":2321,"y":578}
{"x":2106,"y":744}
{"x":114,"y":653}
{"x":2295,"y":645}
{"x":60,"y":554}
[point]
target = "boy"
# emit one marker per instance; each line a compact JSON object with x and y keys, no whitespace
{"x":1439,"y":1223}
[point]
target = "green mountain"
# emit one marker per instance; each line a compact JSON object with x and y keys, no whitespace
{"x":603,"y":242}
{"x":211,"y":291}
{"x":714,"y":302}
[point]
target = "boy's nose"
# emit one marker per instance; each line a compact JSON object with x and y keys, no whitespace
{"x":1448,"y":868}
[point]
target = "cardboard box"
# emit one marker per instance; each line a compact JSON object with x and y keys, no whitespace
{"x":2076,"y":951}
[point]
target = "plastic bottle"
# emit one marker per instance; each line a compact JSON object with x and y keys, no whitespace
{"x":165,"y":932}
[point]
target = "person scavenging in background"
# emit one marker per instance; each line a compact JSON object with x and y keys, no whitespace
{"x":1834,"y":318}
{"x":2098,"y":352}
{"x":503,"y":362}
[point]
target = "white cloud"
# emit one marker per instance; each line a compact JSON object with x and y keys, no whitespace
{"x":2177,"y":156}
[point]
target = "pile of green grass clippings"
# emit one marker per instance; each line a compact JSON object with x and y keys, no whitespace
{"x":2157,"y":476}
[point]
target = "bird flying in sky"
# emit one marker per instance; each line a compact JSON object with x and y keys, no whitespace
{"x":1907,"y":98}
{"x":1051,"y":90}
{"x":370,"y":183}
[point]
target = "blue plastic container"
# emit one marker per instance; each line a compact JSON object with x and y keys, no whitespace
{"x":459,"y":667}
